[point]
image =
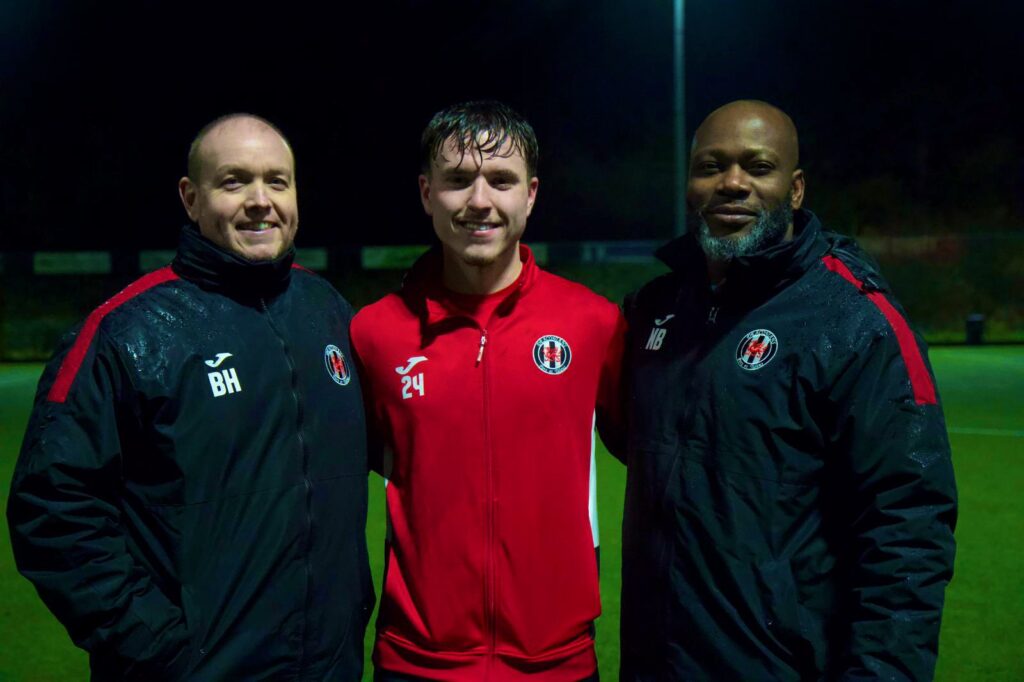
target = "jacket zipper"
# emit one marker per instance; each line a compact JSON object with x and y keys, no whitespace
{"x":483,"y":342}
{"x":490,"y":577}
{"x":713,"y":314}
{"x":303,"y":451}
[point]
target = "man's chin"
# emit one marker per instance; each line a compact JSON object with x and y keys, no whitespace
{"x":765,"y":230}
{"x":731,"y":229}
{"x":262,"y":251}
{"x":481,"y":256}
{"x":726,"y":236}
{"x":477,"y":261}
{"x":260,"y":254}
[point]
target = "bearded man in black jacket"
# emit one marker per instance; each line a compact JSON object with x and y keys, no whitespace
{"x":190,"y":497}
{"x":790,"y":503}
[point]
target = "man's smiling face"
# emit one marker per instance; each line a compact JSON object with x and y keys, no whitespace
{"x":744,"y":178}
{"x":244,"y":197}
{"x":478,"y":202}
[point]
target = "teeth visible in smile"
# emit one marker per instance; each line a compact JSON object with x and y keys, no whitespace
{"x":261,"y":226}
{"x":478,"y":227}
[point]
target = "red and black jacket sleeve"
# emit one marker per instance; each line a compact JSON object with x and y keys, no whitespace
{"x":894,"y":458}
{"x":65,"y":522}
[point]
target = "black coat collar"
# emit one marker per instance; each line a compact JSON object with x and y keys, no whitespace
{"x":755,"y":275}
{"x":211,"y":267}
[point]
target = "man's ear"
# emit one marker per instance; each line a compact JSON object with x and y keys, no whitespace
{"x":797,"y":189}
{"x":425,"y":193}
{"x":187,"y":192}
{"x":531,"y":196}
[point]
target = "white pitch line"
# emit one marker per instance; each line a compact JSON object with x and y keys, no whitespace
{"x":969,"y":431}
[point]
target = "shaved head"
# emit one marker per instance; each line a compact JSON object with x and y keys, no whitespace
{"x":753,"y":113}
{"x":243,"y":120}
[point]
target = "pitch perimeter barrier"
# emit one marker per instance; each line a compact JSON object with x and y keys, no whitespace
{"x":941,"y":280}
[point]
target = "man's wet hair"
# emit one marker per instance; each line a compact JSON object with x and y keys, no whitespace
{"x":195,"y":163}
{"x":464,"y":123}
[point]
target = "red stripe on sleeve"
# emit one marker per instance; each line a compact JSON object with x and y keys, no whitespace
{"x":73,"y":360}
{"x":920,"y":380}
{"x":296,"y":266}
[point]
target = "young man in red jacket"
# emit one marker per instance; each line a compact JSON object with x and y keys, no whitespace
{"x":484,"y":377}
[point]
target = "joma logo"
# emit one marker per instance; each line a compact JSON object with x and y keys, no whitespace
{"x":412,"y":384}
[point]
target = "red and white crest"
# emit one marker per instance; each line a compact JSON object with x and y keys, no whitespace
{"x":337,"y":365}
{"x":756,"y":349}
{"x":551,"y":354}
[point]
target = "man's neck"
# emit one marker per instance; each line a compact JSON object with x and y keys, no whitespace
{"x":717,"y":270}
{"x":463,"y":278}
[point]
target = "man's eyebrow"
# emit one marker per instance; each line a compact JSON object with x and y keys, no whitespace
{"x":241,"y":170}
{"x":230,"y":170}
{"x":747,"y":153}
{"x":760,"y":151}
{"x":457,"y":172}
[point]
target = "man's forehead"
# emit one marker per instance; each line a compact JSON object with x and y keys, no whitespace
{"x":749,"y":129}
{"x":725,"y":130}
{"x":244,"y":137}
{"x":476,"y":151}
{"x":242,"y":132}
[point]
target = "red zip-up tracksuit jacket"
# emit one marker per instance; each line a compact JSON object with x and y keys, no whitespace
{"x":482,"y":411}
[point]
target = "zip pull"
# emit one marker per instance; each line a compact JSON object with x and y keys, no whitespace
{"x":483,"y":342}
{"x":712,"y":314}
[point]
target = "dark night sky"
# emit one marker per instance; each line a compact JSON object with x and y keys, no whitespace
{"x":908,"y":111}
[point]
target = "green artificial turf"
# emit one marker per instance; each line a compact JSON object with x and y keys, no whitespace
{"x":983,"y":626}
{"x":34,"y":645}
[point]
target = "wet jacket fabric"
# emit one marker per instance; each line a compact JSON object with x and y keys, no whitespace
{"x":190,"y":498}
{"x":790,"y":500}
{"x":484,"y":408}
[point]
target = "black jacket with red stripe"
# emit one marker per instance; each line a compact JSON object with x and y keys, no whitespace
{"x":790,"y":500}
{"x":190,"y":498}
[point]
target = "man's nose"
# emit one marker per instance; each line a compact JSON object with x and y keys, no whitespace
{"x":734,"y":181}
{"x":479,"y":198}
{"x":257,"y":196}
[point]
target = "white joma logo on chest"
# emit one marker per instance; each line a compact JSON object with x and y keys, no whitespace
{"x":225,"y":381}
{"x":412,"y":384}
{"x":658,"y":332}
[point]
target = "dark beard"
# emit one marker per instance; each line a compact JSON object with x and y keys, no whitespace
{"x":769,"y":229}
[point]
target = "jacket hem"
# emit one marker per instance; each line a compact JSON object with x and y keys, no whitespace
{"x":574,"y":661}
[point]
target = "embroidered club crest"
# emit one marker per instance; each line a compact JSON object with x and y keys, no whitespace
{"x":551,"y":354}
{"x":756,"y":349}
{"x":337,"y":365}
